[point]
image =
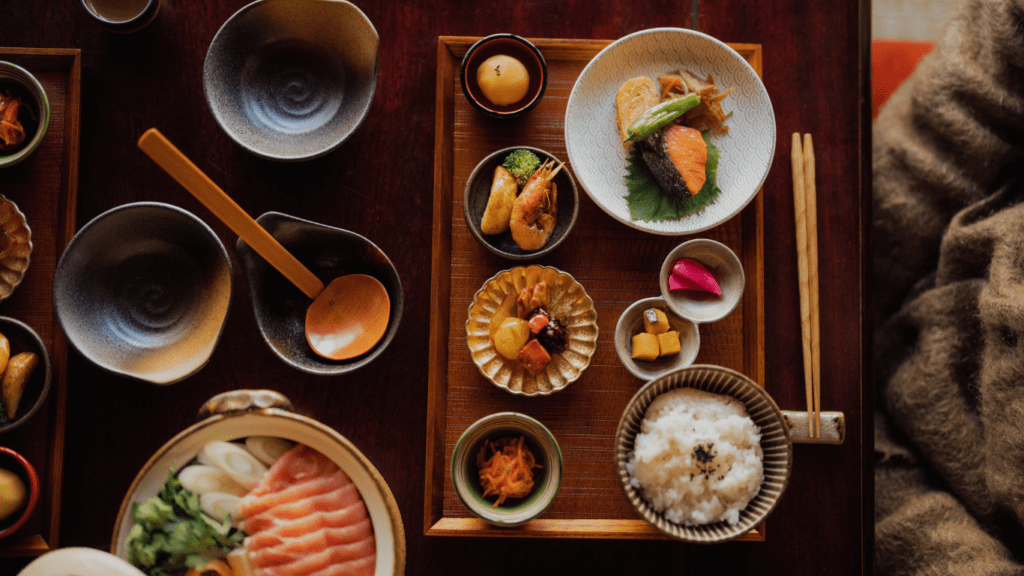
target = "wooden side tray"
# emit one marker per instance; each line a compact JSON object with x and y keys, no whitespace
{"x":616,"y":264}
{"x":44,"y":186}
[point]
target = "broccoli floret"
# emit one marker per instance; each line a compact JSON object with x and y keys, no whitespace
{"x":521,"y":164}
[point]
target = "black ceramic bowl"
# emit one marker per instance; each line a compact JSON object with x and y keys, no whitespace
{"x":23,"y":338}
{"x":280,"y":307}
{"x":509,"y":45}
{"x":144,"y":290}
{"x":292,"y":79}
{"x":478,"y":191}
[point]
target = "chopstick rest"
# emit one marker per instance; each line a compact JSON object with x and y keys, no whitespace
{"x":832,"y":431}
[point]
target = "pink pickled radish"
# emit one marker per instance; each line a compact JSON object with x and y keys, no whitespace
{"x":688,"y":274}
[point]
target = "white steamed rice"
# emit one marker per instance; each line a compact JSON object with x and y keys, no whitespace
{"x":697,"y":458}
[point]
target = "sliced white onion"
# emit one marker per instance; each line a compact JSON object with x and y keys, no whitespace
{"x":241,"y":564}
{"x":201,"y":479}
{"x":237,"y":462}
{"x":267,"y":449}
{"x":219,"y":504}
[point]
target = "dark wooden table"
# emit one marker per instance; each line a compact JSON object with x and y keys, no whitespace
{"x":379,"y":184}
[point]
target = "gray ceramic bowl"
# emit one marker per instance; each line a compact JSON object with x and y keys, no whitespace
{"x":632,"y":322}
{"x":509,"y":45}
{"x":292,"y":79}
{"x":21,"y":83}
{"x":23,"y":338}
{"x":722,"y":263}
{"x":328,"y":252}
{"x":478,"y":191}
{"x":466,"y":475}
{"x":143,"y":290}
{"x":775,"y":444}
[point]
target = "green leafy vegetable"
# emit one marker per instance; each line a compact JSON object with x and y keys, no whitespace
{"x":659,"y":116}
{"x":521,"y":164}
{"x":171,"y":534}
{"x":646,"y":202}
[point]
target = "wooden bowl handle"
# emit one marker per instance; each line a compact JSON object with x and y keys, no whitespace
{"x":157,"y":147}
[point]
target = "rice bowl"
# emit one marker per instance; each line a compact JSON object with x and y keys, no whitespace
{"x":698,"y":457}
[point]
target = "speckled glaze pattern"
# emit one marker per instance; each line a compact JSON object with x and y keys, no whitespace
{"x":381,"y":505}
{"x":280,"y":307}
{"x":23,"y":338}
{"x":15,"y":247}
{"x":594,"y":144}
{"x":478,"y":191}
{"x":120,"y":21}
{"x":775,"y":443}
{"x":465,"y":473}
{"x":631,"y":322}
{"x":569,"y":303}
{"x":22,"y":83}
{"x":292,"y":79}
{"x":722,"y":263}
{"x":144,"y":290}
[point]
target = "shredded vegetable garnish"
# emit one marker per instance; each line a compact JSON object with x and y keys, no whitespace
{"x":508,"y":473}
{"x":11,"y":131}
{"x":709,"y":113}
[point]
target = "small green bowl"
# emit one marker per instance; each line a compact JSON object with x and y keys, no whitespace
{"x":547,"y":478}
{"x":21,"y":82}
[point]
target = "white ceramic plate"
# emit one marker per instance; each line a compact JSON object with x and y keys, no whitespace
{"x":594,"y":145}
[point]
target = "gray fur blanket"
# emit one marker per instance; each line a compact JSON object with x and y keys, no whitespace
{"x":948,"y":253}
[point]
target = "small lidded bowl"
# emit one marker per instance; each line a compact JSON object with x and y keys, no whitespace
{"x":631,"y":322}
{"x":329,"y":253}
{"x":22,"y":338}
{"x":18,"y":84}
{"x":143,"y":290}
{"x":27,"y":479}
{"x":478,"y":192}
{"x":484,"y":60}
{"x":292,"y":80}
{"x":698,"y":306}
{"x":547,"y":477}
{"x":775,"y":446}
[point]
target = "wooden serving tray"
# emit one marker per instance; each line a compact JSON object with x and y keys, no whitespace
{"x":44,"y":186}
{"x":616,"y":264}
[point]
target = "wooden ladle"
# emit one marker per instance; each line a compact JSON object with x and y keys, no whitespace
{"x":345,"y":320}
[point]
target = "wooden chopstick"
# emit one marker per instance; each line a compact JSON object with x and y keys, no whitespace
{"x":811,"y":207}
{"x":800,"y":214}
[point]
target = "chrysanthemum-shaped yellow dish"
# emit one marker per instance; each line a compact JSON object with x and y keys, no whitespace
{"x":15,"y":247}
{"x":570,"y":304}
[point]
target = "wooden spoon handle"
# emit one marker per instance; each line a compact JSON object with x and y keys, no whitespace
{"x":154,"y":144}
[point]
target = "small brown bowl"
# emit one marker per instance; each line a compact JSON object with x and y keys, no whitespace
{"x":509,"y":45}
{"x":11,"y":460}
{"x":478,"y":191}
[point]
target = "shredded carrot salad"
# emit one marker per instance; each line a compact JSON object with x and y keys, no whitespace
{"x":509,"y":470}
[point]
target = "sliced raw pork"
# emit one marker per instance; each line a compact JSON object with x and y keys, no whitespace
{"x":306,"y":518}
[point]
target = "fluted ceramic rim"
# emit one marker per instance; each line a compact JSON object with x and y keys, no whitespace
{"x":569,"y":381}
{"x":28,"y":258}
{"x":775,"y":443}
{"x":463,"y":467}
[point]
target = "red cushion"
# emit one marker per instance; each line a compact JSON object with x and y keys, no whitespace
{"x":891,"y":62}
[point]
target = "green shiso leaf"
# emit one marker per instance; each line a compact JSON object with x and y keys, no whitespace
{"x":647,"y":203}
